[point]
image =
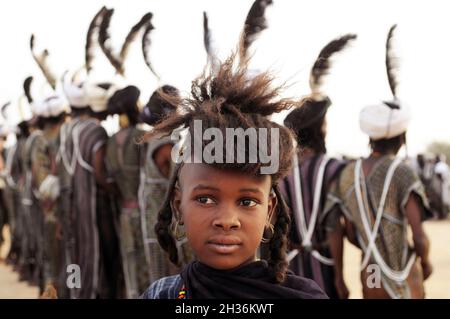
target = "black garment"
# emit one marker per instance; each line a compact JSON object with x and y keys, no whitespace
{"x":252,"y":281}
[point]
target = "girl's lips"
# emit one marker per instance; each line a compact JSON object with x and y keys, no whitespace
{"x":224,"y":244}
{"x":223,"y":249}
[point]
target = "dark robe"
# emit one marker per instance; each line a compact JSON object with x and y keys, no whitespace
{"x":305,"y":264}
{"x":93,"y":225}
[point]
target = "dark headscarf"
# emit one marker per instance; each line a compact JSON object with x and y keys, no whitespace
{"x":157,"y":108}
{"x":306,"y":122}
{"x":310,"y":113}
{"x":252,"y":281}
{"x":124,"y":101}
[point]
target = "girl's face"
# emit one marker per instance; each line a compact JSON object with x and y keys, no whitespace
{"x":224,"y":213}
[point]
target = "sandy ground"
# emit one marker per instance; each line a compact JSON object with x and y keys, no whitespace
{"x":10,"y":286}
{"x":437,"y":286}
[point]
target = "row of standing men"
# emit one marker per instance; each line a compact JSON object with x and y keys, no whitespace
{"x":75,"y":196}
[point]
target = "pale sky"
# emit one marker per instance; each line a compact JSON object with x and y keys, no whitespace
{"x":297,"y":31}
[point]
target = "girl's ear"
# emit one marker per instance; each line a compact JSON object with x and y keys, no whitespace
{"x":175,"y":204}
{"x":272,"y":205}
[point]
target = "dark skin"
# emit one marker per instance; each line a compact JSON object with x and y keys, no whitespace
{"x":224,"y":213}
{"x":335,"y":240}
{"x":163,"y":159}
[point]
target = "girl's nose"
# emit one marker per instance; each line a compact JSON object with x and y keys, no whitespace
{"x":227,"y":219}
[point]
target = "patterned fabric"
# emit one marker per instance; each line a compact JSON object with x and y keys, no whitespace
{"x":91,"y":219}
{"x":122,"y":159}
{"x":66,"y":161}
{"x":43,"y":155}
{"x":153,"y":192}
{"x":32,"y":241}
{"x":132,"y":250}
{"x":304,"y":264}
{"x":14,"y":177}
{"x":164,"y":288}
{"x":392,"y":241}
{"x":83,"y":217}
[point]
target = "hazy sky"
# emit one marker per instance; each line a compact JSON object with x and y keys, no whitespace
{"x":297,"y":31}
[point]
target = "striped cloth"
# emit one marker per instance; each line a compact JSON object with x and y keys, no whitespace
{"x":164,"y":288}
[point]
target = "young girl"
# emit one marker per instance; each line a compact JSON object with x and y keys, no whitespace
{"x":227,"y":208}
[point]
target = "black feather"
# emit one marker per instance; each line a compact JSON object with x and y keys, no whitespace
{"x":90,"y":41}
{"x":146,"y":45}
{"x":391,"y":63}
{"x":212,"y":61}
{"x":322,"y":64}
{"x":255,"y":23}
{"x":4,"y":108}
{"x":206,"y":34}
{"x":105,"y":39}
{"x":41,"y":61}
{"x":133,"y":34}
{"x":27,"y":89}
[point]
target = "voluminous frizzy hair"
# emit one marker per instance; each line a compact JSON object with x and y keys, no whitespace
{"x":229,"y":98}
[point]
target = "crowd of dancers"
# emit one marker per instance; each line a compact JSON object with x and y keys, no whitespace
{"x":72,"y":195}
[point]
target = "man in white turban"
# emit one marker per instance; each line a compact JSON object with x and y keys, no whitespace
{"x":383,"y":199}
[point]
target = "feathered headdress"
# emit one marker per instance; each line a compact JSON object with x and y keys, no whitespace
{"x":254,"y":24}
{"x":4,"y":108}
{"x":131,"y":37}
{"x":27,"y":89}
{"x":315,"y":106}
{"x":212,"y":59}
{"x":322,"y":64}
{"x":391,"y":63}
{"x":146,"y":45}
{"x":390,"y":118}
{"x":104,"y":39}
{"x":22,"y":105}
{"x":92,"y":37}
{"x":41,"y":60}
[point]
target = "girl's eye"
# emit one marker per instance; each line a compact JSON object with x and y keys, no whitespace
{"x":204,"y":200}
{"x":248,"y":202}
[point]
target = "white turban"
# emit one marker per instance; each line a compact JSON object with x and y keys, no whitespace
{"x":38,"y":108}
{"x":98,"y":96}
{"x":75,"y":93}
{"x":380,"y":121}
{"x":54,"y":106}
{"x":25,"y":112}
